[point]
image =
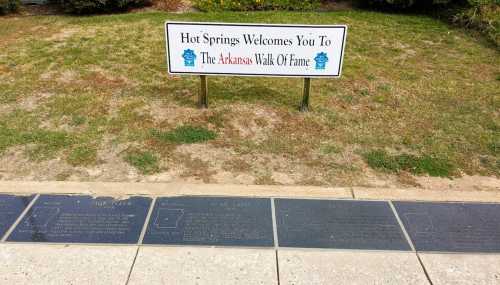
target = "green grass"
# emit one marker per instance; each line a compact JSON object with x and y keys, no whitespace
{"x":330,"y":149}
{"x":43,"y":144}
{"x":494,"y":147}
{"x":184,"y":135}
{"x":82,"y":156}
{"x":146,"y":162}
{"x":431,"y":165}
{"x":410,"y":83}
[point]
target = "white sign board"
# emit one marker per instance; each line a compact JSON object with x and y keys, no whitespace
{"x":255,"y":49}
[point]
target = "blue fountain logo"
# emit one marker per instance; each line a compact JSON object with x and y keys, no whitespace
{"x":189,"y":57}
{"x":321,"y":60}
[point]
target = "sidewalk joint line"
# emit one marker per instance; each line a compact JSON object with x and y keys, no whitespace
{"x":352,"y":193}
{"x":275,"y":227}
{"x":424,"y":269}
{"x":146,"y":221}
{"x":18,"y":220}
{"x":132,"y":266}
{"x":277,"y":267}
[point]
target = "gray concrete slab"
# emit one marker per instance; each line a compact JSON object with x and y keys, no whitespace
{"x":200,"y":265}
{"x":449,"y":268}
{"x":349,"y":267}
{"x":440,"y":194}
{"x":65,"y":264}
{"x":122,"y":189}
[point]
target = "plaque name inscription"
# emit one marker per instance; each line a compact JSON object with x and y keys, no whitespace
{"x":86,"y":219}
{"x":211,"y":221}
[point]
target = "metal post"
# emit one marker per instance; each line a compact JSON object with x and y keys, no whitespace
{"x":203,"y":96}
{"x":304,"y":107}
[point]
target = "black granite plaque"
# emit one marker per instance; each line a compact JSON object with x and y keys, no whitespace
{"x":10,"y":208}
{"x":83,"y":219}
{"x":338,"y":224}
{"x":454,"y":227}
{"x":211,"y":221}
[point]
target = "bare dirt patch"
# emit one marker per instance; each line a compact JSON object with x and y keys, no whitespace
{"x":111,"y":166}
{"x":463,"y":183}
{"x":100,"y":77}
{"x":252,"y":122}
{"x":201,"y":163}
{"x":66,"y":77}
{"x":15,"y":165}
{"x":32,"y":102}
{"x":64,"y":34}
{"x":170,"y":114}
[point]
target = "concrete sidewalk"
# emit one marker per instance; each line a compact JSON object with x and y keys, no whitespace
{"x":110,"y":264}
{"x":123,"y":189}
{"x":140,"y":263}
{"x":119,"y":189}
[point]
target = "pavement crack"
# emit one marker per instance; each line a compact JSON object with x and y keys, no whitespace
{"x":132,"y":266}
{"x":277,"y":268}
{"x":424,"y":269}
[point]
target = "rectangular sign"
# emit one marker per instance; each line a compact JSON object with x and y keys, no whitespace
{"x":255,"y":49}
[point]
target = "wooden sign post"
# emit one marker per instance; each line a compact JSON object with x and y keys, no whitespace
{"x":203,"y":96}
{"x":305,"y":51}
{"x":304,"y":106}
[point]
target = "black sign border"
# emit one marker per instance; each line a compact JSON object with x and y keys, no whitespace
{"x":338,"y":75}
